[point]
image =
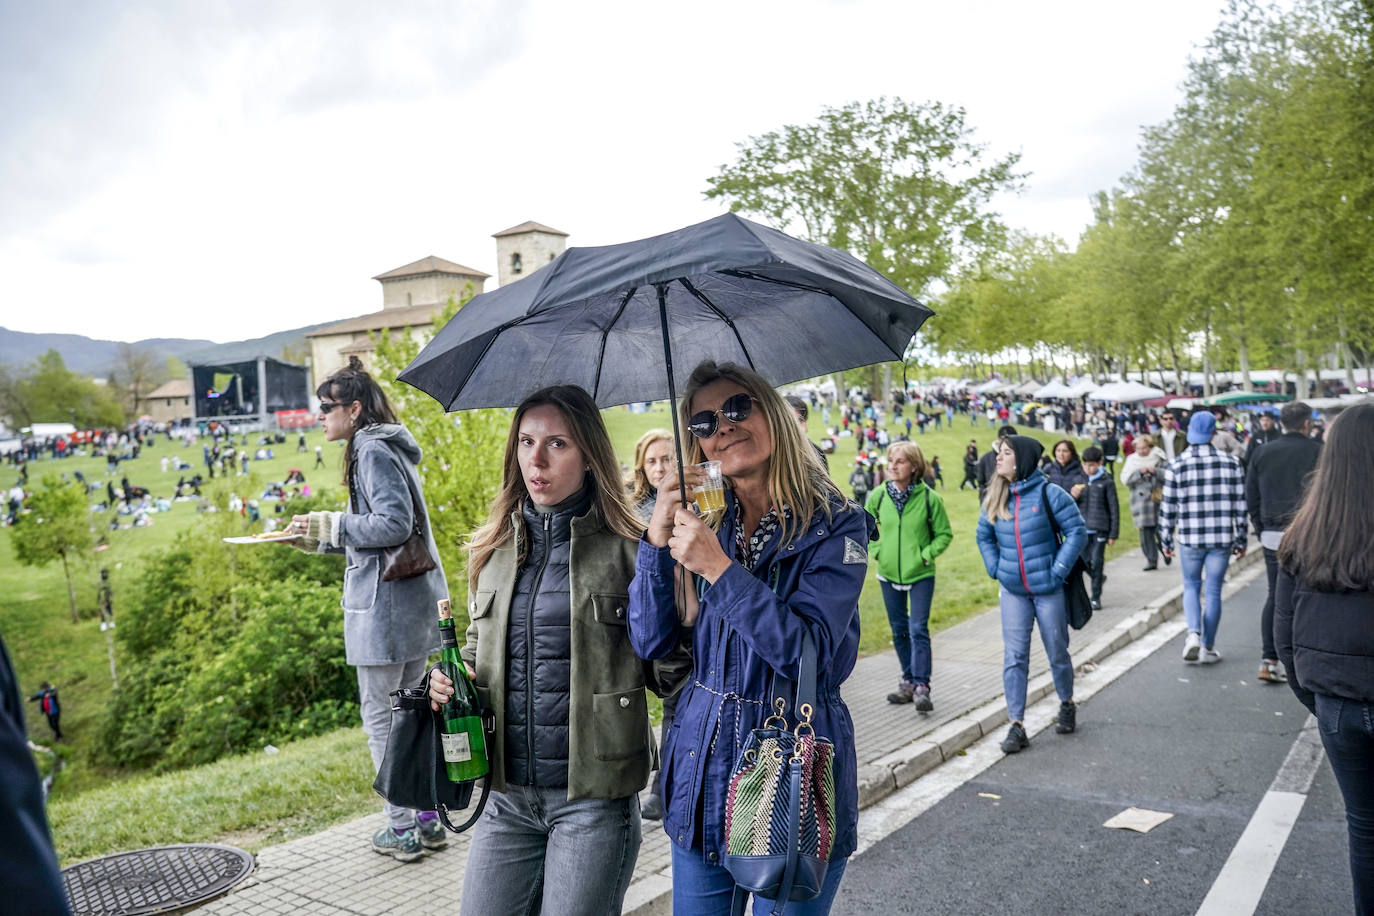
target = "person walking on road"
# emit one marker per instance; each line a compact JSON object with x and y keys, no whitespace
{"x":1143,"y":475}
{"x":1102,"y":514}
{"x":987,"y":465}
{"x":1203,"y":510}
{"x":1172,"y":440}
{"x":1274,"y":484}
{"x":1066,"y":470}
{"x":388,"y":625}
{"x":913,"y":529}
{"x":1324,"y":622}
{"x":1022,"y":552}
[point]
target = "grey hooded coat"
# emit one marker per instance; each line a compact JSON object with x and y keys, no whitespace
{"x":385,"y":622}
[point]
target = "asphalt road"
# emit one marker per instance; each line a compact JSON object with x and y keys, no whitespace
{"x":1203,"y":743}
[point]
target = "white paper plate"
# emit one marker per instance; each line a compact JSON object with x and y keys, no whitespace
{"x":283,"y":536}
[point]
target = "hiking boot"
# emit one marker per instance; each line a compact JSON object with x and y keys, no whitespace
{"x":432,"y":832}
{"x":1068,"y":718}
{"x":906,"y":692}
{"x":1209,"y":657}
{"x":922,"y":698}
{"x":401,"y":846}
{"x":1191,"y":645}
{"x":1096,"y":604}
{"x":1271,"y":672}
{"x":1015,"y":740}
{"x":652,"y":809}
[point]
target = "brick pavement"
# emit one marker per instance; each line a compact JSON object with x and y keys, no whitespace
{"x":336,"y":871}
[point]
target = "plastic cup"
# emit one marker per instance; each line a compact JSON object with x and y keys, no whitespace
{"x":709,"y":490}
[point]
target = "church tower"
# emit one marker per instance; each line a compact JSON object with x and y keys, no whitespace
{"x":523,"y":249}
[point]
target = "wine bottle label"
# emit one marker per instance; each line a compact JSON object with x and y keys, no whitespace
{"x":457,"y":748}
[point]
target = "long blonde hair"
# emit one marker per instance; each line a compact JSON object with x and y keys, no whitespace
{"x":638,"y":484}
{"x":999,"y":489}
{"x":589,"y":433}
{"x":796,"y":478}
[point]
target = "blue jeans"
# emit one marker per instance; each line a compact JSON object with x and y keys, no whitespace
{"x":534,"y":851}
{"x":1193,"y":561}
{"x":703,"y":889}
{"x":1019,"y":613}
{"x":911,"y":631}
{"x":1347,"y":729}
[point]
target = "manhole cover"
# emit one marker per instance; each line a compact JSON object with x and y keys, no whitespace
{"x":156,"y":880}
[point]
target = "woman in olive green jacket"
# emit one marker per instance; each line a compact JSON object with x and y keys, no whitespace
{"x":550,"y":655}
{"x":913,"y":529}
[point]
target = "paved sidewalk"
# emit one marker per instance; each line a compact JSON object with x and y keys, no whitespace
{"x":336,"y":872}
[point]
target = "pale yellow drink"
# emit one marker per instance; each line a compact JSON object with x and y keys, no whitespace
{"x":709,"y":490}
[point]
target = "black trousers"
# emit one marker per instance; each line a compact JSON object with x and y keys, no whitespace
{"x":1271,"y":573}
{"x":1149,"y":544}
{"x":1094,"y":557}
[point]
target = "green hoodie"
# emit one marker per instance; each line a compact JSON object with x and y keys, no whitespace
{"x":906,"y":550}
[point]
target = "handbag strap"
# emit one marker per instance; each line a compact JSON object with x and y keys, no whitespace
{"x":353,"y":491}
{"x":442,"y":811}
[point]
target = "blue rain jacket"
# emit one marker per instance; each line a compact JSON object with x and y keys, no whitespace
{"x":745,"y":630}
{"x":1021,"y":552}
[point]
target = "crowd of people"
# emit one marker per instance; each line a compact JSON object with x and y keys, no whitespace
{"x":587,"y":589}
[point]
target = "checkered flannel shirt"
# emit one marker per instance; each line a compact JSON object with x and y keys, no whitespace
{"x":1204,"y":500}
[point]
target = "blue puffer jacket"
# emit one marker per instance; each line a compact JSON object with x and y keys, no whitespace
{"x":745,"y":631}
{"x":1020,"y":552}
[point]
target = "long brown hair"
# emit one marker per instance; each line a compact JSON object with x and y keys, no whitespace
{"x":603,"y":475}
{"x":639,"y":481}
{"x":796,"y":478}
{"x":349,"y":384}
{"x":1328,"y":540}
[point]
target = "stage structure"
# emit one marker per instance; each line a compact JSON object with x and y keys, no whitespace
{"x":262,"y":392}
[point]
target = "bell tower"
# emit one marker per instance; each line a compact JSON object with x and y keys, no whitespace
{"x":523,"y":249}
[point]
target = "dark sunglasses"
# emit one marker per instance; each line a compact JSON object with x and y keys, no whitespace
{"x":736,"y":409}
{"x":327,"y":406}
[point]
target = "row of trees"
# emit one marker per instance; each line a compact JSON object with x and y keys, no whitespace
{"x":1243,"y":237}
{"x":1244,"y":234}
{"x":46,"y":391}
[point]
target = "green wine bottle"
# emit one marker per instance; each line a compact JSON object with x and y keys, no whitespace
{"x":465,"y":748}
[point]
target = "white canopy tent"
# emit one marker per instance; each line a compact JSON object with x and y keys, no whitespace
{"x":1055,"y":389}
{"x":1124,"y":392}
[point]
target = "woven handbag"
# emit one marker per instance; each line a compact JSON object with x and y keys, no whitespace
{"x":780,"y":806}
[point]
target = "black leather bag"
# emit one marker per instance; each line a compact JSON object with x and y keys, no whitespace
{"x":1077,"y":606}
{"x":412,"y":774}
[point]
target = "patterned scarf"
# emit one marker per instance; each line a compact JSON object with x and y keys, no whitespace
{"x":899,"y":497}
{"x":748,"y":550}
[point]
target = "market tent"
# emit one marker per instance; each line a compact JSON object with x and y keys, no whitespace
{"x":1080,"y":388}
{"x":1055,"y":389}
{"x":1127,"y":392}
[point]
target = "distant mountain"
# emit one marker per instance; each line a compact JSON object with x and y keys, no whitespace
{"x":97,"y":357}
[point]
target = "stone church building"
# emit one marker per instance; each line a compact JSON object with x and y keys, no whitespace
{"x":414,"y":293}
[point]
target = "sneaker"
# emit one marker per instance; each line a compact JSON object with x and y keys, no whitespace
{"x":923,"y":703}
{"x":1191,"y":645}
{"x":1168,"y":560}
{"x":432,"y":832}
{"x":1271,"y":671}
{"x":906,"y":692}
{"x":1015,"y":740}
{"x":403,"y":847}
{"x":1068,"y":718}
{"x":1096,"y":604}
{"x":1149,"y":568}
{"x":1210,"y":657}
{"x":652,"y":809}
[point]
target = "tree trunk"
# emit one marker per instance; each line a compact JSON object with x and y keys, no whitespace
{"x":71,"y":593}
{"x":1243,"y":354}
{"x":1343,"y":347}
{"x":109,"y":647}
{"x":887,"y":386}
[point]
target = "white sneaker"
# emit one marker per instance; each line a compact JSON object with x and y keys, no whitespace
{"x":1210,"y":657}
{"x":1191,"y":644}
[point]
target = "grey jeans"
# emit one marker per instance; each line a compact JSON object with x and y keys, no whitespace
{"x":375,"y":683}
{"x":533,"y":851}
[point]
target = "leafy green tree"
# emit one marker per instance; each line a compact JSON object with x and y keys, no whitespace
{"x":48,"y":392}
{"x":57,"y":527}
{"x":136,"y":373}
{"x":461,"y":468}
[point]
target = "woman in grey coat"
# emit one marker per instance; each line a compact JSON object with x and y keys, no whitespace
{"x":1143,"y":474}
{"x":389,"y":626}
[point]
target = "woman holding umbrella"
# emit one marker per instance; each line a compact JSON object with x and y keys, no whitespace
{"x":548,"y":651}
{"x":787,"y":558}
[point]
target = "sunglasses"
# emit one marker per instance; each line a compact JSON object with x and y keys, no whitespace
{"x":736,"y":409}
{"x":327,"y":406}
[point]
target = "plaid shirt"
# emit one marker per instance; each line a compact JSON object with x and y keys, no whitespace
{"x":1204,"y":499}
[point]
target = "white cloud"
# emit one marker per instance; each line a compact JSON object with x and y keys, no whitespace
{"x":229,"y":171}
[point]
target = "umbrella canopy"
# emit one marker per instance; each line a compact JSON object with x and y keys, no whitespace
{"x":1127,"y":392}
{"x":1055,"y":389}
{"x":1245,"y":397}
{"x":629,"y":322}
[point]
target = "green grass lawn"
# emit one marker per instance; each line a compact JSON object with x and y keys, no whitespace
{"x":258,"y":799}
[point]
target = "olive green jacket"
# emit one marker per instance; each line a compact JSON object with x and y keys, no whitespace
{"x":610,"y":742}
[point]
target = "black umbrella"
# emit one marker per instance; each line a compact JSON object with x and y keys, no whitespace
{"x":616,"y":320}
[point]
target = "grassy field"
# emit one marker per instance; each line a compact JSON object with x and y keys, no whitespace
{"x":258,"y":799}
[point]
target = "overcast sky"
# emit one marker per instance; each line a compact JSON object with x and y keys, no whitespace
{"x":229,"y":169}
